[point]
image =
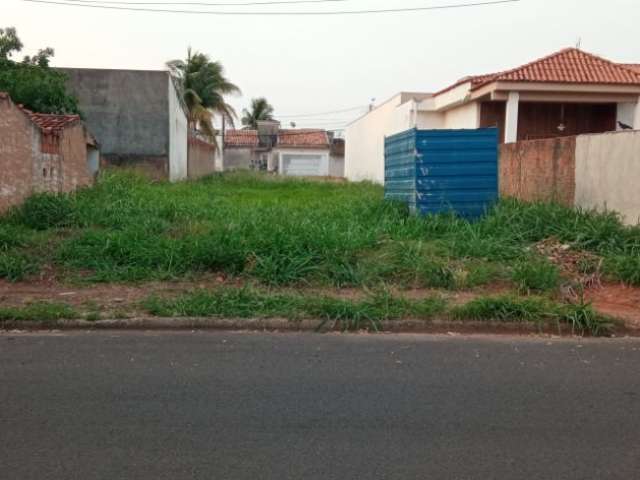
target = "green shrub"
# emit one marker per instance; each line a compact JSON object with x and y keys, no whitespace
{"x":45,"y":210}
{"x":584,"y":319}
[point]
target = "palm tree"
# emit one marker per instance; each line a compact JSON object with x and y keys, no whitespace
{"x":203,"y":85}
{"x":260,"y":110}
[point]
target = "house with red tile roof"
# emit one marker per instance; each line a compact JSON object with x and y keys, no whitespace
{"x":42,"y":153}
{"x":570,"y":92}
{"x":296,"y":152}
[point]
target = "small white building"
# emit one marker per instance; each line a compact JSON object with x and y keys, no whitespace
{"x":294,"y":152}
{"x":568,"y":93}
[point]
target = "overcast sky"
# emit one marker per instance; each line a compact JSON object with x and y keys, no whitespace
{"x":322,"y":63}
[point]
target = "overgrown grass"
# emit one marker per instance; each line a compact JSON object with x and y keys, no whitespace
{"x":341,"y":313}
{"x":580,"y":317}
{"x":38,"y":312}
{"x":536,"y":275}
{"x":282,"y":231}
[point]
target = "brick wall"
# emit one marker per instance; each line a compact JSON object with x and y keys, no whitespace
{"x":539,"y":170}
{"x":73,"y":151}
{"x":201,"y":157}
{"x":33,"y":161}
{"x":18,"y":137}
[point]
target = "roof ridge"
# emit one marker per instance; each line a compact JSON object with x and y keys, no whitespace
{"x":555,"y":55}
{"x":528,"y":64}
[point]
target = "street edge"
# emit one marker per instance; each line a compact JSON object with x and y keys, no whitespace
{"x":286,"y":325}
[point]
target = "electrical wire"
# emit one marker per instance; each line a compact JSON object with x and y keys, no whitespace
{"x":210,"y":4}
{"x":292,"y":13}
{"x":319,"y":114}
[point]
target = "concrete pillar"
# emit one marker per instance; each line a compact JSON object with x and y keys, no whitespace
{"x":511,"y":120}
{"x":636,"y":121}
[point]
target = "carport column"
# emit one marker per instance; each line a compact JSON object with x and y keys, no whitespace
{"x":280,"y":164}
{"x":511,"y":120}
{"x":636,"y":120}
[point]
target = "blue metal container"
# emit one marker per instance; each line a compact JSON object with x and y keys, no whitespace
{"x":439,"y":171}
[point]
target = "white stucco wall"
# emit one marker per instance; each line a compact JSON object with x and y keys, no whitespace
{"x":626,"y":114}
{"x":364,"y":142}
{"x":364,"y":155}
{"x":462,"y":117}
{"x":607,"y":173}
{"x":178,"y":136}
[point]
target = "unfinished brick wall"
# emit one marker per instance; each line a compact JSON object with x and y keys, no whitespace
{"x":201,"y":157}
{"x":18,"y":138}
{"x":539,"y":170}
{"x":34,"y":160}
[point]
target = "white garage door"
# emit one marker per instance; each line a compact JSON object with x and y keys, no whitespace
{"x":299,"y":164}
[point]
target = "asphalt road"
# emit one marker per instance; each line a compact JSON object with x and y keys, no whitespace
{"x":202,"y":405}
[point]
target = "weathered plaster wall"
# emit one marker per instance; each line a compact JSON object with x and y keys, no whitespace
{"x":202,"y":158}
{"x":128,"y":113}
{"x":607,"y":173}
{"x":539,"y":170}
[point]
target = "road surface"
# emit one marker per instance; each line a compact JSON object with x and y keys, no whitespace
{"x":234,"y":406}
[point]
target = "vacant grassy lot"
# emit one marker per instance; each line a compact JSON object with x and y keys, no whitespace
{"x":275,"y":232}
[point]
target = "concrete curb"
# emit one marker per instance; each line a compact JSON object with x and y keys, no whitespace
{"x":285,"y":325}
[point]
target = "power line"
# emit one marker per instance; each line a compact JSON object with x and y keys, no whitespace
{"x":209,"y":4}
{"x":319,"y":114}
{"x":292,"y":13}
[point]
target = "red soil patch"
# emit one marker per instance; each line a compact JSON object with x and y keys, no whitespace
{"x":618,"y":301}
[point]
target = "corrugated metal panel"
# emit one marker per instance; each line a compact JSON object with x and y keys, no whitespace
{"x":400,"y":168}
{"x":437,"y":171}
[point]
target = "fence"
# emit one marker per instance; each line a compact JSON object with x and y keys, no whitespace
{"x":599,"y":171}
{"x":436,"y":171}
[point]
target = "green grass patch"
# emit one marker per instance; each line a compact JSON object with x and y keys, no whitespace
{"x":285,"y":231}
{"x":38,"y":312}
{"x":581,"y":318}
{"x":536,"y":275}
{"x":15,"y":266}
{"x":345,"y":314}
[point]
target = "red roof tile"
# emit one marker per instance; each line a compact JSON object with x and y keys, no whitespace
{"x":51,"y":122}
{"x":241,"y":138}
{"x":303,"y":138}
{"x":568,"y":66}
{"x":633,"y":66}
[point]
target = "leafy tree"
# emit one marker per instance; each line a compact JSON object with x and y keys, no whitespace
{"x":260,"y":110}
{"x":203,"y":85}
{"x":32,"y":82}
{"x":9,"y":42}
